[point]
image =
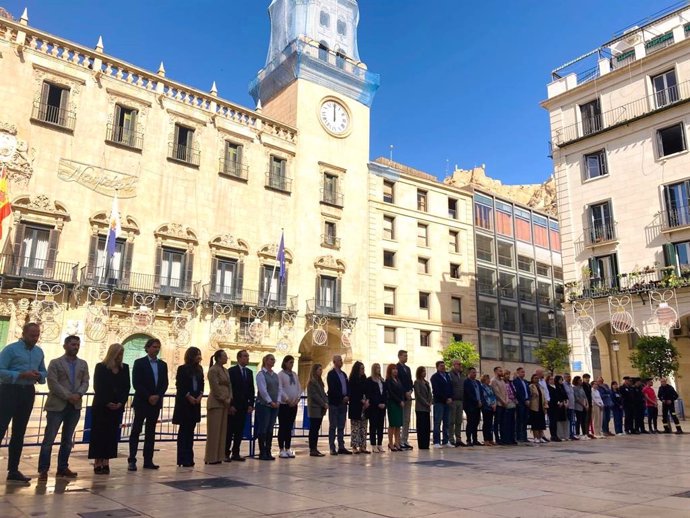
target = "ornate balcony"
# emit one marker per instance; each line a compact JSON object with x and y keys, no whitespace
{"x":330,"y":241}
{"x":250,"y":298}
{"x":53,"y":115}
{"x":278,"y":182}
{"x":332,"y":197}
{"x":233,"y":169}
{"x":17,"y":271}
{"x":331,"y":308}
{"x":125,"y":281}
{"x":126,"y":137}
{"x":188,"y":155}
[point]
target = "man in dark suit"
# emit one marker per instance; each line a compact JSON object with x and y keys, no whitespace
{"x":442,"y":389}
{"x":150,"y":382}
{"x":242,"y":382}
{"x":405,"y":378}
{"x":472,"y":404}
{"x":521,"y":388}
{"x":338,"y":399}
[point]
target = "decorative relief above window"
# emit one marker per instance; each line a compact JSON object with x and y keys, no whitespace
{"x":100,"y":222}
{"x":227,"y":244}
{"x":40,"y":208}
{"x":175,"y":234}
{"x":328,"y":263}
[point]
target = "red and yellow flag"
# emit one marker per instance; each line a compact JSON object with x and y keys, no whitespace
{"x":5,"y":206}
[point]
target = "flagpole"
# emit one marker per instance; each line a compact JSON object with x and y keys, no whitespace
{"x":273,"y":273}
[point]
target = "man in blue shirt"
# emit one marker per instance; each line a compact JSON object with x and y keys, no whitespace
{"x":21,"y":367}
{"x":442,"y":390}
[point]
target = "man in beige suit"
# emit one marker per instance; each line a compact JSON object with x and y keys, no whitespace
{"x":68,"y":381}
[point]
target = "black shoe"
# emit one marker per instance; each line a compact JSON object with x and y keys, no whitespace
{"x":477,"y":443}
{"x":679,"y":431}
{"x":152,"y":466}
{"x":555,"y":439}
{"x":17,"y":476}
{"x":227,"y":459}
{"x":131,"y":466}
{"x":316,"y":453}
{"x":406,"y":446}
{"x":238,"y":458}
{"x":459,"y":444}
{"x":333,"y":452}
{"x":98,"y":470}
{"x":344,"y":451}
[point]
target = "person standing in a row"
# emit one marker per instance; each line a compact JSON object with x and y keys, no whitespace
{"x":422,"y":402}
{"x":617,"y":408}
{"x":396,"y":402}
{"x":358,"y":405}
{"x":150,"y":380}
{"x":405,"y":377}
{"x":338,"y":399}
{"x":457,"y":379}
{"x":488,"y":410}
{"x":442,"y":390}
{"x":317,"y":406}
{"x":377,"y":395}
{"x":473,"y":407}
{"x":68,"y":382}
{"x":668,"y":396}
{"x":217,"y":406}
{"x":111,"y":386}
{"x":268,"y":388}
{"x":289,"y":394}
{"x":189,"y":386}
{"x":21,"y":367}
{"x":242,"y":385}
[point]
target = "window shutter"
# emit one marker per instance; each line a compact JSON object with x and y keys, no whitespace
{"x":239,"y":281}
{"x":670,"y":255}
{"x":338,"y":295}
{"x":594,"y":267}
{"x":117,"y":124}
{"x":17,"y":259}
{"x":127,"y":264}
{"x":158,"y":268}
{"x":52,"y":252}
{"x":64,"y":98}
{"x":188,"y":272}
{"x":317,"y":290}
{"x":93,"y":259}
{"x":43,"y":108}
{"x":214,"y":276}
{"x":660,"y":143}
{"x":283,"y":289}
{"x":262,"y":282}
{"x":239,"y":155}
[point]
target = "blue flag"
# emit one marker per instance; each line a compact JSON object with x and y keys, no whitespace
{"x":280,"y":257}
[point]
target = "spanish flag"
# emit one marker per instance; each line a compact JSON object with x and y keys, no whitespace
{"x":5,"y":207}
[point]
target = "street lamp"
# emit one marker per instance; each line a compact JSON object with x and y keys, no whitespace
{"x":616,"y":346}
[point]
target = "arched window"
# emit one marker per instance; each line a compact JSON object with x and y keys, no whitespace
{"x":325,"y":19}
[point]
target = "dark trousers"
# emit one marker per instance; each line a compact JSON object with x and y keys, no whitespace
{"x":508,"y":426}
{"x":376,"y":419}
{"x":185,"y":443}
{"x":148,"y":414}
{"x":286,"y":420}
{"x":581,"y":423}
{"x":617,"y":419}
{"x":521,"y":414}
{"x":638,"y":418}
{"x":423,"y":429}
{"x":473,"y":418}
{"x":314,"y":428}
{"x":16,"y":403}
{"x":488,"y":423}
{"x":68,"y":418}
{"x":553,"y":423}
{"x":233,"y":435}
{"x":606,"y":419}
{"x":668,"y":412}
{"x":498,"y":419}
{"x":629,"y":418}
{"x":652,"y":415}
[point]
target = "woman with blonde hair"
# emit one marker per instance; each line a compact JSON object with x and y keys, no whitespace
{"x":111,"y":386}
{"x":317,"y":406}
{"x":376,"y":393}
{"x":217,"y":405}
{"x":268,"y":390}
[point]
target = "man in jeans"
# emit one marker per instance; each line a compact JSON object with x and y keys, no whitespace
{"x":457,"y":380}
{"x":499,"y":387}
{"x":567,"y":385}
{"x":442,"y":390}
{"x":607,"y":397}
{"x":338,"y":399}
{"x":68,"y":381}
{"x":405,"y":378}
{"x":522,"y":409}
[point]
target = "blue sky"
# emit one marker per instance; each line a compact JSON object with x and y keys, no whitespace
{"x":460,"y":81}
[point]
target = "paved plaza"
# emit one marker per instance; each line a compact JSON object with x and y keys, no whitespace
{"x":623,"y":476}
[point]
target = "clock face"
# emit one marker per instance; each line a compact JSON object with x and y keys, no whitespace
{"x":334,"y":117}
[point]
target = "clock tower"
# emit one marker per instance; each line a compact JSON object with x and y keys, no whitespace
{"x":315,"y":81}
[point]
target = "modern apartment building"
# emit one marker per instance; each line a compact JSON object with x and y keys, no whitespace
{"x":619,"y":129}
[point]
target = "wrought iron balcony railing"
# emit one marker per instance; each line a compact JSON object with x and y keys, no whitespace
{"x":331,"y":308}
{"x":126,"y":281}
{"x":676,"y":218}
{"x":187,"y":154}
{"x":124,"y":136}
{"x":54,"y":115}
{"x":278,"y":182}
{"x":32,"y":268}
{"x":250,"y":298}
{"x":620,"y":115}
{"x":601,"y":233}
{"x":234,"y":169}
{"x":330,"y":241}
{"x":332,"y":197}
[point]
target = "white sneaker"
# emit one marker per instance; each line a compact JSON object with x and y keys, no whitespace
{"x":283,"y":454}
{"x":437,"y":446}
{"x":542,"y":440}
{"x":291,"y":454}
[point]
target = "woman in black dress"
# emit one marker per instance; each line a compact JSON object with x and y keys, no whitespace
{"x":376,"y":393}
{"x":189,"y":383}
{"x":552,"y":411}
{"x":561,"y":401}
{"x":111,"y":391}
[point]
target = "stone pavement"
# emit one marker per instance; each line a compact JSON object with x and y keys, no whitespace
{"x":623,"y":476}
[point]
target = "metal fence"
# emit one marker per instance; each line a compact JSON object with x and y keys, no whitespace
{"x":165,"y":429}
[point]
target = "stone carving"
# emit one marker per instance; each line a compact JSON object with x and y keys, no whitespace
{"x":328,"y":262}
{"x":15,"y":155}
{"x":100,"y":180}
{"x":177,"y":232}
